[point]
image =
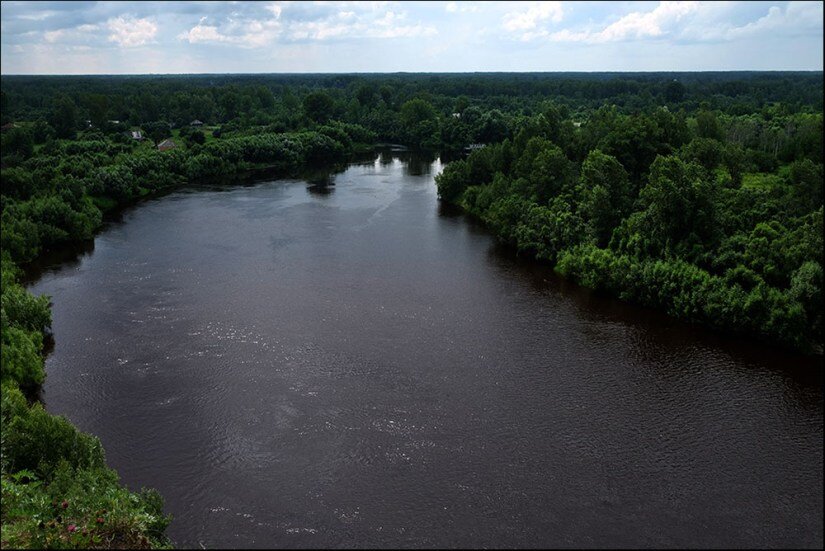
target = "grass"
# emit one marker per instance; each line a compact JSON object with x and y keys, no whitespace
{"x":761,"y":181}
{"x":104,"y":203}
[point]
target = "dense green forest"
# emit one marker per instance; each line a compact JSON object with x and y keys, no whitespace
{"x":696,"y":193}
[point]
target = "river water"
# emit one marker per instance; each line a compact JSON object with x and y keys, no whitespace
{"x":298,"y":364}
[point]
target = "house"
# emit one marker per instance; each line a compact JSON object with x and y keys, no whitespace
{"x":136,"y":135}
{"x":474,"y":146}
{"x":8,"y":126}
{"x":196,"y":123}
{"x":166,"y":144}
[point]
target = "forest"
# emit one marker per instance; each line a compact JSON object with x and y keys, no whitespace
{"x":699,"y":194}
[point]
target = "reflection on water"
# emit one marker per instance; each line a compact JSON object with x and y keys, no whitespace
{"x":296,"y":367}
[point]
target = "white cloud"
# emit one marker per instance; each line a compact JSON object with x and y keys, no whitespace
{"x":530,"y":18}
{"x":37,"y":16}
{"x":54,"y":36}
{"x":461,"y":7}
{"x":641,"y":25}
{"x":350,"y":24}
{"x":252,"y":33}
{"x":203,"y":33}
{"x":693,"y":21}
{"x":275,"y":8}
{"x":128,"y":31}
{"x":346,"y":20}
{"x":454,"y":35}
{"x":80,"y":33}
{"x":798,"y":17}
{"x":635,"y":25}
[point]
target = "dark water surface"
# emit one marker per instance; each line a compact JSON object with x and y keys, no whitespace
{"x":293,"y":364}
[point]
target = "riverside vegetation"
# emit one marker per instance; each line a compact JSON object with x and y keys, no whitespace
{"x":700,"y":194}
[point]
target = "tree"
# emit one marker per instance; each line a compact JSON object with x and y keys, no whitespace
{"x":453,"y":180}
{"x":806,"y":185}
{"x":678,"y":205}
{"x":19,"y":142}
{"x":366,"y":95}
{"x":707,"y":152}
{"x":419,"y":123}
{"x":674,"y":91}
{"x":634,"y":141}
{"x":196,"y":136}
{"x":319,"y":106}
{"x":98,"y":109}
{"x":545,"y":170}
{"x":386,"y":94}
{"x":606,"y":194}
{"x":492,"y":127}
{"x":63,"y":117}
{"x":708,"y":125}
{"x":157,"y":131}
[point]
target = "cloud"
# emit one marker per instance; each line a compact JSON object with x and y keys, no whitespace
{"x":319,"y":21}
{"x":113,"y":37}
{"x":530,"y":18}
{"x":248,"y":34}
{"x":203,"y":33}
{"x":129,"y":32}
{"x":634,"y":25}
{"x":348,"y":25}
{"x":694,"y":22}
{"x":460,"y":7}
{"x":81,"y":33}
{"x":274,"y":8}
{"x":797,"y":18}
{"x":641,"y":25}
{"x":37,"y":16}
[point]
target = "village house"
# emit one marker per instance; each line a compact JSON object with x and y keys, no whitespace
{"x":196,"y":123}
{"x":166,"y":144}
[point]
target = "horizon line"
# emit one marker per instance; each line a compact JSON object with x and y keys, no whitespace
{"x":417,"y":73}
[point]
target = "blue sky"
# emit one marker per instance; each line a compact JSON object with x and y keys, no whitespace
{"x":260,"y":37}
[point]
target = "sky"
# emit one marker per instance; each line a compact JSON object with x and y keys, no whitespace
{"x":308,"y":37}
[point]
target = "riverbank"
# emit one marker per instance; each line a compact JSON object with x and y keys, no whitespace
{"x":56,"y":487}
{"x":684,"y":239}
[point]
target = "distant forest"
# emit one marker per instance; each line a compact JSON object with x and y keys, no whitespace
{"x":700,"y":194}
{"x":291,"y":102}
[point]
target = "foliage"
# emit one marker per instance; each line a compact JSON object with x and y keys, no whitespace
{"x":707,"y":218}
{"x":57,"y":491}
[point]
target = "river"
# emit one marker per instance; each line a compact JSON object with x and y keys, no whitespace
{"x":345,"y":363}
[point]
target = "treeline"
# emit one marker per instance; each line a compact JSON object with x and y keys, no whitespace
{"x":684,"y":214}
{"x":424,"y":110}
{"x":57,"y":196}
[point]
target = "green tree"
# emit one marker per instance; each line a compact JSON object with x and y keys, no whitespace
{"x":157,"y":131}
{"x":63,"y":117}
{"x":674,"y":91}
{"x":419,"y":123}
{"x":98,"y":109}
{"x":707,"y":125}
{"x":319,"y":106}
{"x":606,"y":194}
